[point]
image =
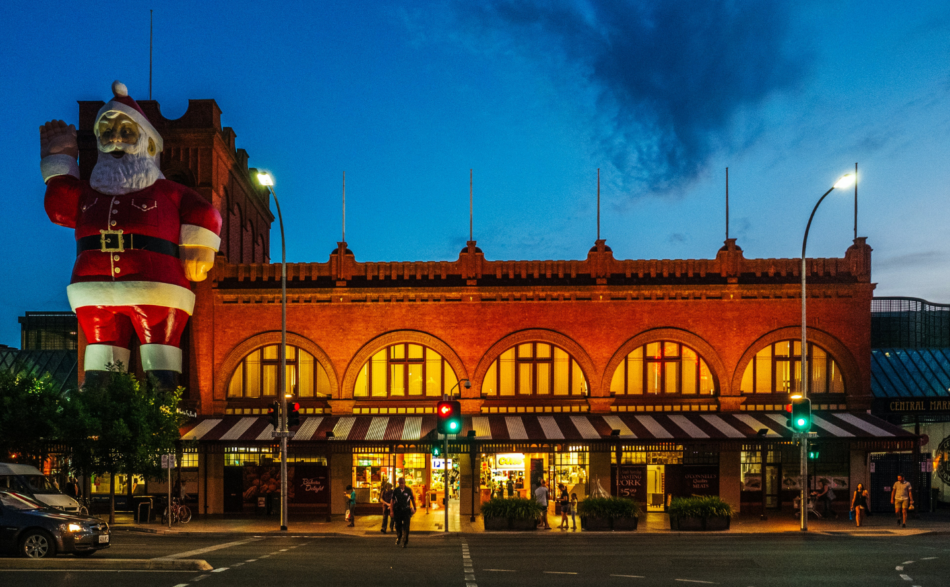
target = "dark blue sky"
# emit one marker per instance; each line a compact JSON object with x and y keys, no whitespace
{"x":535,"y":96}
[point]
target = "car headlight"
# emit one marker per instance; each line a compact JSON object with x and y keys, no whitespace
{"x":73,"y":528}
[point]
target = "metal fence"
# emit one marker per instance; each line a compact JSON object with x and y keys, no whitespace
{"x":909,"y":323}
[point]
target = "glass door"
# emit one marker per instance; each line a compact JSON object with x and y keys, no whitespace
{"x":773,"y":476}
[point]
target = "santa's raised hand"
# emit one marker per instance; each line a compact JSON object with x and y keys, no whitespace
{"x":56,"y":138}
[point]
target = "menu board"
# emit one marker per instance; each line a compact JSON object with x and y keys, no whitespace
{"x":631,"y":482}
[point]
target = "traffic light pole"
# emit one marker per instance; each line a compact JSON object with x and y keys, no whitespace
{"x":445,"y":459}
{"x":804,"y":474}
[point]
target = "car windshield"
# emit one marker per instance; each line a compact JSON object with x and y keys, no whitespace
{"x":18,"y":502}
{"x":40,"y":484}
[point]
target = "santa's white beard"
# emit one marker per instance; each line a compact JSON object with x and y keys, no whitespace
{"x":134,"y":171}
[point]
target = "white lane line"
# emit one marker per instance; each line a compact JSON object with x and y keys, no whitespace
{"x":182,"y":585}
{"x":286,"y":549}
{"x":906,"y":578}
{"x":558,"y":573}
{"x":899,"y":568}
{"x":251,"y":560}
{"x":694,"y":581}
{"x":221,"y":570}
{"x":907,"y":563}
{"x":202,"y":550}
{"x":500,"y":570}
{"x":263,"y":556}
{"x":237,"y":564}
{"x":928,"y":558}
{"x":467,"y":570}
{"x":630,"y":576}
{"x":200,"y":577}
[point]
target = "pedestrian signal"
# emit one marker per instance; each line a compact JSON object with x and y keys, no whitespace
{"x":436,"y":451}
{"x":449,"y":417}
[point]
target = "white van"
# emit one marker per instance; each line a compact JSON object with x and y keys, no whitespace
{"x":30,"y":481}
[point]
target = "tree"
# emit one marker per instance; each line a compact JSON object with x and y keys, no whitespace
{"x":122,"y":427}
{"x":30,"y":417}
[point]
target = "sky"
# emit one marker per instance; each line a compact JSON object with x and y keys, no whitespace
{"x":535,"y":97}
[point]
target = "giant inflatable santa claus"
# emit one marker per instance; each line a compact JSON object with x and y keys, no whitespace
{"x":140,"y":239}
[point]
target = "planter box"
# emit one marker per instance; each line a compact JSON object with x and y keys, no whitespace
{"x":503,"y":524}
{"x":596,"y":524}
{"x":624,"y":524}
{"x":699,"y":524}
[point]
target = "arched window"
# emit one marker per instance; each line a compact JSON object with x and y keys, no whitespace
{"x":256,"y":376}
{"x":778,"y":369}
{"x":405,"y":370}
{"x":663,"y":368}
{"x":534,"y":368}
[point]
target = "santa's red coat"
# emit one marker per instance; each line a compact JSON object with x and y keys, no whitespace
{"x":165,"y":210}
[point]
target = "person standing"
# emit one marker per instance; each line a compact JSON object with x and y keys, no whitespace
{"x":510,"y":486}
{"x":574,"y":512}
{"x":403,"y":506}
{"x":859,"y":504}
{"x":541,"y":496}
{"x":825,"y":496}
{"x":351,"y":505}
{"x":72,"y":489}
{"x":903,"y":499}
{"x":564,"y":503}
{"x":386,"y":498}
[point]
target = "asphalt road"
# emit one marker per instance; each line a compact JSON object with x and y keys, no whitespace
{"x":520,"y":560}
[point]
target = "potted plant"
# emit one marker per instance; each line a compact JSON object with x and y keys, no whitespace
{"x":699,"y":513}
{"x":608,"y":513}
{"x":516,"y":513}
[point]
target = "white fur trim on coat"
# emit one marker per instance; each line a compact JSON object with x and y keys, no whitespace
{"x":161,"y":357}
{"x":130,"y":293}
{"x":192,"y":234}
{"x":54,"y":165}
{"x":99,"y":356}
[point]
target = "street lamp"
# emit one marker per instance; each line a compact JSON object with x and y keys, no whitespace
{"x":267,"y":180}
{"x":445,"y":456}
{"x":844,"y":181}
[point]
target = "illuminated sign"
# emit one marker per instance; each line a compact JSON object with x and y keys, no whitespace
{"x":439,"y":464}
{"x":510,"y":461}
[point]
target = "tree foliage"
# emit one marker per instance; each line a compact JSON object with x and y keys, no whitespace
{"x":30,"y":417}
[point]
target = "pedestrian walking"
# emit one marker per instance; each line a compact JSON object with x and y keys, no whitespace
{"x":386,"y":499}
{"x":350,"y":506}
{"x":541,"y":496}
{"x":859,"y":504}
{"x":574,"y":512}
{"x":825,"y":496}
{"x":903,"y":499}
{"x":403,"y":506}
{"x":564,"y":504}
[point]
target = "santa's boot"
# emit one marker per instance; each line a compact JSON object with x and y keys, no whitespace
{"x":163,"y":380}
{"x":96,"y":379}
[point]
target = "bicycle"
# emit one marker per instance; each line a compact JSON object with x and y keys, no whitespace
{"x":180,"y":514}
{"x":83,"y":506}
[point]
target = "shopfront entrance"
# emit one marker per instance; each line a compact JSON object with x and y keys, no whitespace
{"x":656,"y":488}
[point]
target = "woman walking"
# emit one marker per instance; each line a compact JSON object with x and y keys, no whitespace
{"x":859,"y":504}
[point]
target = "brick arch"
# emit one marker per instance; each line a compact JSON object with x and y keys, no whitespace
{"x":702,"y":348}
{"x":242,"y":350}
{"x":534,"y":335}
{"x":838,"y":351}
{"x":397,"y":336}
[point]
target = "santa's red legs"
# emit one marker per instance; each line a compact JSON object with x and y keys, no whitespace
{"x":140,"y":240}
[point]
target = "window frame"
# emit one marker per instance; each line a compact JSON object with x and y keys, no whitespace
{"x":294,"y":362}
{"x":534,"y":360}
{"x":405,"y":361}
{"x":794,"y":360}
{"x":663,"y":360}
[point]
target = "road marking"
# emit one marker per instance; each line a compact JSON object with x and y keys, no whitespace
{"x":237,"y":564}
{"x":263,"y":556}
{"x":899,"y":568}
{"x":694,"y":581}
{"x":630,"y":576}
{"x":906,"y":578}
{"x":907,"y":563}
{"x":929,"y":558}
{"x":221,"y":570}
{"x":251,"y":560}
{"x":182,"y":585}
{"x":286,"y":549}
{"x":558,"y":573}
{"x":202,"y":550}
{"x":200,"y":577}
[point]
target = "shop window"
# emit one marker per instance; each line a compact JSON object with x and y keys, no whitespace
{"x":256,"y":375}
{"x":535,"y":369}
{"x":405,"y":370}
{"x":663,"y":368}
{"x":571,"y":469}
{"x":371,"y":470}
{"x":777,"y":368}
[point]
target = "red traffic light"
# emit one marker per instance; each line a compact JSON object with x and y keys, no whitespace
{"x":445,"y":409}
{"x":788,"y":408}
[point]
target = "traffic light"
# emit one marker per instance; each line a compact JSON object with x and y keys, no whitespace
{"x":449,"y":417}
{"x":293,"y":414}
{"x":813,"y":453}
{"x":800,"y":420}
{"x":436,"y":451}
{"x":273,"y":415}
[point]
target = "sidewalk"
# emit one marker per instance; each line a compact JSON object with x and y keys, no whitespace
{"x":432,"y":523}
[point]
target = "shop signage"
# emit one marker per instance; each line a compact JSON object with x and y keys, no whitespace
{"x":439,"y":464}
{"x":509,"y":462}
{"x":631,"y":483}
{"x":701,"y":480}
{"x":922,"y":405}
{"x":310,"y":484}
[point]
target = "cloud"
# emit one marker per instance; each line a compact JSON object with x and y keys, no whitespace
{"x":670,"y":78}
{"x":678,"y":238}
{"x":911,"y":260}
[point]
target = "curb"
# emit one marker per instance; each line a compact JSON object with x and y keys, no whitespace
{"x":106,"y":564}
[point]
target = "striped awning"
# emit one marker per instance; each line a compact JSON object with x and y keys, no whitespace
{"x":552,"y":427}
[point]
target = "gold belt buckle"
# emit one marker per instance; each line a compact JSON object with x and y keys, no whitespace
{"x":104,"y":241}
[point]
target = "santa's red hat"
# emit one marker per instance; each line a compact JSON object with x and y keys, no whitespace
{"x":122,"y":102}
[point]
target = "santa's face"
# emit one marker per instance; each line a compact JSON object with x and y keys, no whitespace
{"x":133,"y":164}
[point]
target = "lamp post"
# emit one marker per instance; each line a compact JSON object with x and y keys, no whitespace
{"x":445,"y":458}
{"x":844,"y":182}
{"x":267,"y":180}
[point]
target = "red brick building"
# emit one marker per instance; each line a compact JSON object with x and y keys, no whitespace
{"x":649,"y":378}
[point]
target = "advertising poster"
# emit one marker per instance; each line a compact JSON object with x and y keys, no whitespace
{"x":261,"y":481}
{"x":310,"y":484}
{"x":631,"y":482}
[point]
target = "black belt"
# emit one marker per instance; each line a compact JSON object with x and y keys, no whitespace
{"x":115,"y":241}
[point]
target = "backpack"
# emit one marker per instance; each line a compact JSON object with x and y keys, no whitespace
{"x":402,"y":500}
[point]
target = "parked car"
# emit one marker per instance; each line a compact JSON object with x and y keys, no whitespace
{"x":29,"y":481}
{"x":34,"y":530}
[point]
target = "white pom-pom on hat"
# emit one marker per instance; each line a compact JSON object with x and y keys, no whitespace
{"x":119,"y":89}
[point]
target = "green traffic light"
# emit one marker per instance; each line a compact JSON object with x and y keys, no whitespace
{"x":453,"y":425}
{"x":801,"y":422}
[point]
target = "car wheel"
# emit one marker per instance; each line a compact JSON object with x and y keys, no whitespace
{"x":84,"y":553}
{"x":37,"y":544}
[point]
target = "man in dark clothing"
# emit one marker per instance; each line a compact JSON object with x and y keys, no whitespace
{"x":72,"y":489}
{"x":404,"y":505}
{"x":386,"y":498}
